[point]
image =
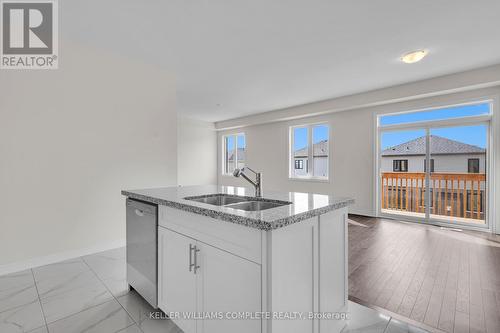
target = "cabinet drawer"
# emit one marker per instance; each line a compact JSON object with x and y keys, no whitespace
{"x":234,"y":238}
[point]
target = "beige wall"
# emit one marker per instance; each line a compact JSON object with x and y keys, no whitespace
{"x":197,"y":152}
{"x":70,"y":140}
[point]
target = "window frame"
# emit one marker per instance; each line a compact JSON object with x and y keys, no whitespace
{"x":394,"y":162}
{"x":310,"y":152}
{"x":431,"y":162}
{"x":224,"y":151}
{"x":299,"y":164}
{"x":478,"y":165}
{"x":423,"y":123}
{"x":491,"y":120}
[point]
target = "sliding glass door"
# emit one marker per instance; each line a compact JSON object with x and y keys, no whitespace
{"x":403,"y":186}
{"x":435,"y":170}
{"x":458,"y":166}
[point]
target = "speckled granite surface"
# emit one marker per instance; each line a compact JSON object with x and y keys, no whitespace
{"x":302,"y":205}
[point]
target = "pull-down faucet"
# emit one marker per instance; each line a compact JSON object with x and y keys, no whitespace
{"x":258,"y":179}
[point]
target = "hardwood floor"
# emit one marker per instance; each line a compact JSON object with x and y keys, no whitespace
{"x":444,"y":279}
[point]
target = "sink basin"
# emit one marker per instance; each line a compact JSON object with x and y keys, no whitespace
{"x":218,"y":199}
{"x":248,"y":204}
{"x":251,"y":206}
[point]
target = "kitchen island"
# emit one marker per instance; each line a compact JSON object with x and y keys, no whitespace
{"x":231,"y":262}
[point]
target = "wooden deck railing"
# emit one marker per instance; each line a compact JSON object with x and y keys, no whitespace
{"x":451,"y":194}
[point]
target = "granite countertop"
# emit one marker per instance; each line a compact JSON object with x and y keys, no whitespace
{"x":303,"y":205}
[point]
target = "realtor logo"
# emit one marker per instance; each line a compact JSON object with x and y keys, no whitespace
{"x":29,"y":34}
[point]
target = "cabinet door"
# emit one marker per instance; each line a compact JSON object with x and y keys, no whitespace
{"x":227,"y":283}
{"x":333,"y":267}
{"x":177,"y":284}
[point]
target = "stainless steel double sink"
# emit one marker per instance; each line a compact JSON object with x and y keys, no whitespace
{"x":248,"y":204}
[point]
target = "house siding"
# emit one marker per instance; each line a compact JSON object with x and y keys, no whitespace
{"x":320,"y":165}
{"x":442,"y":163}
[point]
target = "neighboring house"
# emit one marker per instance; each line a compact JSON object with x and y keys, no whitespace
{"x":320,"y":160}
{"x":447,"y":156}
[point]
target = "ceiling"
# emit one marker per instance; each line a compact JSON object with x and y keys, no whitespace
{"x":236,"y":58}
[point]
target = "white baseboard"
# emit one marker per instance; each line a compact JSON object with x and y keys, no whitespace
{"x":57,"y":257}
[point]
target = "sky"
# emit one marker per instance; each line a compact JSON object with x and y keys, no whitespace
{"x":230,"y":142}
{"x":320,"y":133}
{"x":473,"y":135}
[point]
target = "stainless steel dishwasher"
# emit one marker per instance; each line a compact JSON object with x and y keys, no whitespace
{"x":142,"y":240}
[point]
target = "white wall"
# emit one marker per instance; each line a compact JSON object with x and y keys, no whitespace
{"x":352,"y":148}
{"x":70,"y":140}
{"x":350,"y":133}
{"x":197,"y":152}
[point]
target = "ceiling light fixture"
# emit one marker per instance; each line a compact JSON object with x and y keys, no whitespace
{"x":414,"y":56}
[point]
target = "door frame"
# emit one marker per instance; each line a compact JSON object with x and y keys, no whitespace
{"x":427,"y":126}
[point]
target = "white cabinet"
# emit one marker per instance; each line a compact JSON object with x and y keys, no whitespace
{"x":231,"y":285}
{"x":301,"y":267}
{"x":333,"y":267}
{"x":196,"y":278}
{"x":177,"y":281}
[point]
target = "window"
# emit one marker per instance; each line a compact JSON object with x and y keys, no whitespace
{"x":473,"y":165}
{"x":309,"y":151}
{"x":435,"y":114}
{"x":234,"y":152}
{"x":454,"y":141}
{"x":432,"y":165}
{"x":400,"y":165}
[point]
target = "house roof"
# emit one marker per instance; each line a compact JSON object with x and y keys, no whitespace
{"x":439,"y":145}
{"x":319,"y":149}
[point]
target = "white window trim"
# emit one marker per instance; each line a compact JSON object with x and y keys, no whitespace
{"x":235,"y":135}
{"x":310,"y":162}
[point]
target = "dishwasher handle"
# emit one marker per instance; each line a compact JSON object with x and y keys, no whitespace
{"x":140,"y":208}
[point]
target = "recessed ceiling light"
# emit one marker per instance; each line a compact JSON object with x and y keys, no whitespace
{"x":414,"y":56}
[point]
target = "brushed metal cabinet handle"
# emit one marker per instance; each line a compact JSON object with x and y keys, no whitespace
{"x":196,"y":266}
{"x":191,"y":265}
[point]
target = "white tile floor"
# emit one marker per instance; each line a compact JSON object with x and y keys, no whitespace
{"x":90,"y":295}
